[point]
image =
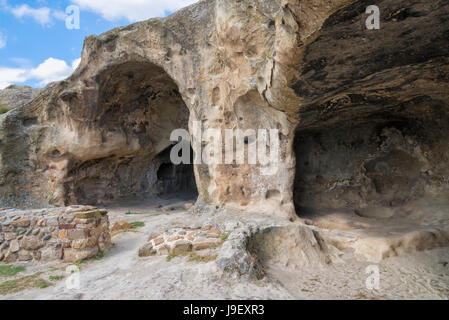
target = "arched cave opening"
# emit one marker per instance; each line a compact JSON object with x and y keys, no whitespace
{"x":130,"y":117}
{"x":175,"y":181}
{"x":383,"y":171}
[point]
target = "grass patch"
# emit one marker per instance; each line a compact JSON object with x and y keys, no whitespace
{"x":116,"y":232}
{"x":79,"y":263}
{"x":52,"y":269}
{"x":9,"y":271}
{"x":134,"y":225}
{"x":137,"y":224}
{"x":131,"y":213}
{"x":28,"y":282}
{"x":3,"y":110}
{"x":224,"y":236}
{"x":55,"y":278}
{"x":99,"y":256}
{"x":194,"y":257}
{"x":172,"y":255}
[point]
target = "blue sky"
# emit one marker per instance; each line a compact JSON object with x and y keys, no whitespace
{"x":36,"y":47}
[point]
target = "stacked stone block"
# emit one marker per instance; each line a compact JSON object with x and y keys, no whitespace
{"x":179,"y":240}
{"x":67,"y":234}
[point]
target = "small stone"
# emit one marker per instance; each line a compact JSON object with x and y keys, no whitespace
{"x":171,"y":239}
{"x":49,"y":254}
{"x":77,"y":234}
{"x":35,"y":232}
{"x":9,"y":236}
{"x":36,"y":255}
{"x":10,"y":257}
{"x":74,"y":209}
{"x":24,"y":255}
{"x":213,"y":235}
{"x":206,"y":244}
{"x":181,"y":246}
{"x":84,"y":243}
{"x":84,"y":221}
{"x":4,"y":245}
{"x":72,"y":255}
{"x":46,"y":237}
{"x":147,"y":250}
{"x":21,"y":231}
{"x":158,"y":241}
{"x":162,"y":250}
{"x":52,"y":222}
{"x":89,"y":214}
{"x":67,"y":226}
{"x":6,"y":223}
{"x":32,"y":243}
{"x":14,"y":246}
{"x":62,"y":234}
{"x":121,"y":225}
{"x":23,"y":223}
{"x":15,"y":218}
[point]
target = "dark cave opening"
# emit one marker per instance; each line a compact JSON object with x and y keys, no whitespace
{"x":175,"y":181}
{"x":136,"y":108}
{"x":382,"y":166}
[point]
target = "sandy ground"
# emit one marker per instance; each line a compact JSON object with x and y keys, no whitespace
{"x":121,"y":274}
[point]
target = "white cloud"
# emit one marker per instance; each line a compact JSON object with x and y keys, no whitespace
{"x":41,"y":15}
{"x":133,"y":10}
{"x":60,"y":15}
{"x":2,"y":40}
{"x":11,"y":75}
{"x":48,"y":71}
{"x":51,"y":70}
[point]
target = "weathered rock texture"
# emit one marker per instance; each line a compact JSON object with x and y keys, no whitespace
{"x":13,"y":96}
{"x":69,"y":234}
{"x":363,"y":114}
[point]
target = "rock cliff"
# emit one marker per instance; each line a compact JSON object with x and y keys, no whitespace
{"x":362,"y":114}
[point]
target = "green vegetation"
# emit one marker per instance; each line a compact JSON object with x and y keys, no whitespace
{"x":134,"y":225}
{"x":4,"y":108}
{"x":131,"y":213}
{"x":172,"y":255}
{"x":194,"y":257}
{"x":28,"y":282}
{"x":224,"y":236}
{"x":55,"y":278}
{"x":137,"y":224}
{"x":79,"y":263}
{"x":9,"y":271}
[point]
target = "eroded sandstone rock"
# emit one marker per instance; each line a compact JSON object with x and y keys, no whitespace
{"x":362,"y":114}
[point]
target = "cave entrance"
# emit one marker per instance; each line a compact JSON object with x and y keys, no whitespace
{"x":131,"y":116}
{"x":175,"y":181}
{"x":385,"y":170}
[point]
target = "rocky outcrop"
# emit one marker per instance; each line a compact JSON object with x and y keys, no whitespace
{"x":13,"y":96}
{"x":362,"y":114}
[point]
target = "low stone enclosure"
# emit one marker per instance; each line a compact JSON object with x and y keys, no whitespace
{"x":68,"y":234}
{"x":362,"y":118}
